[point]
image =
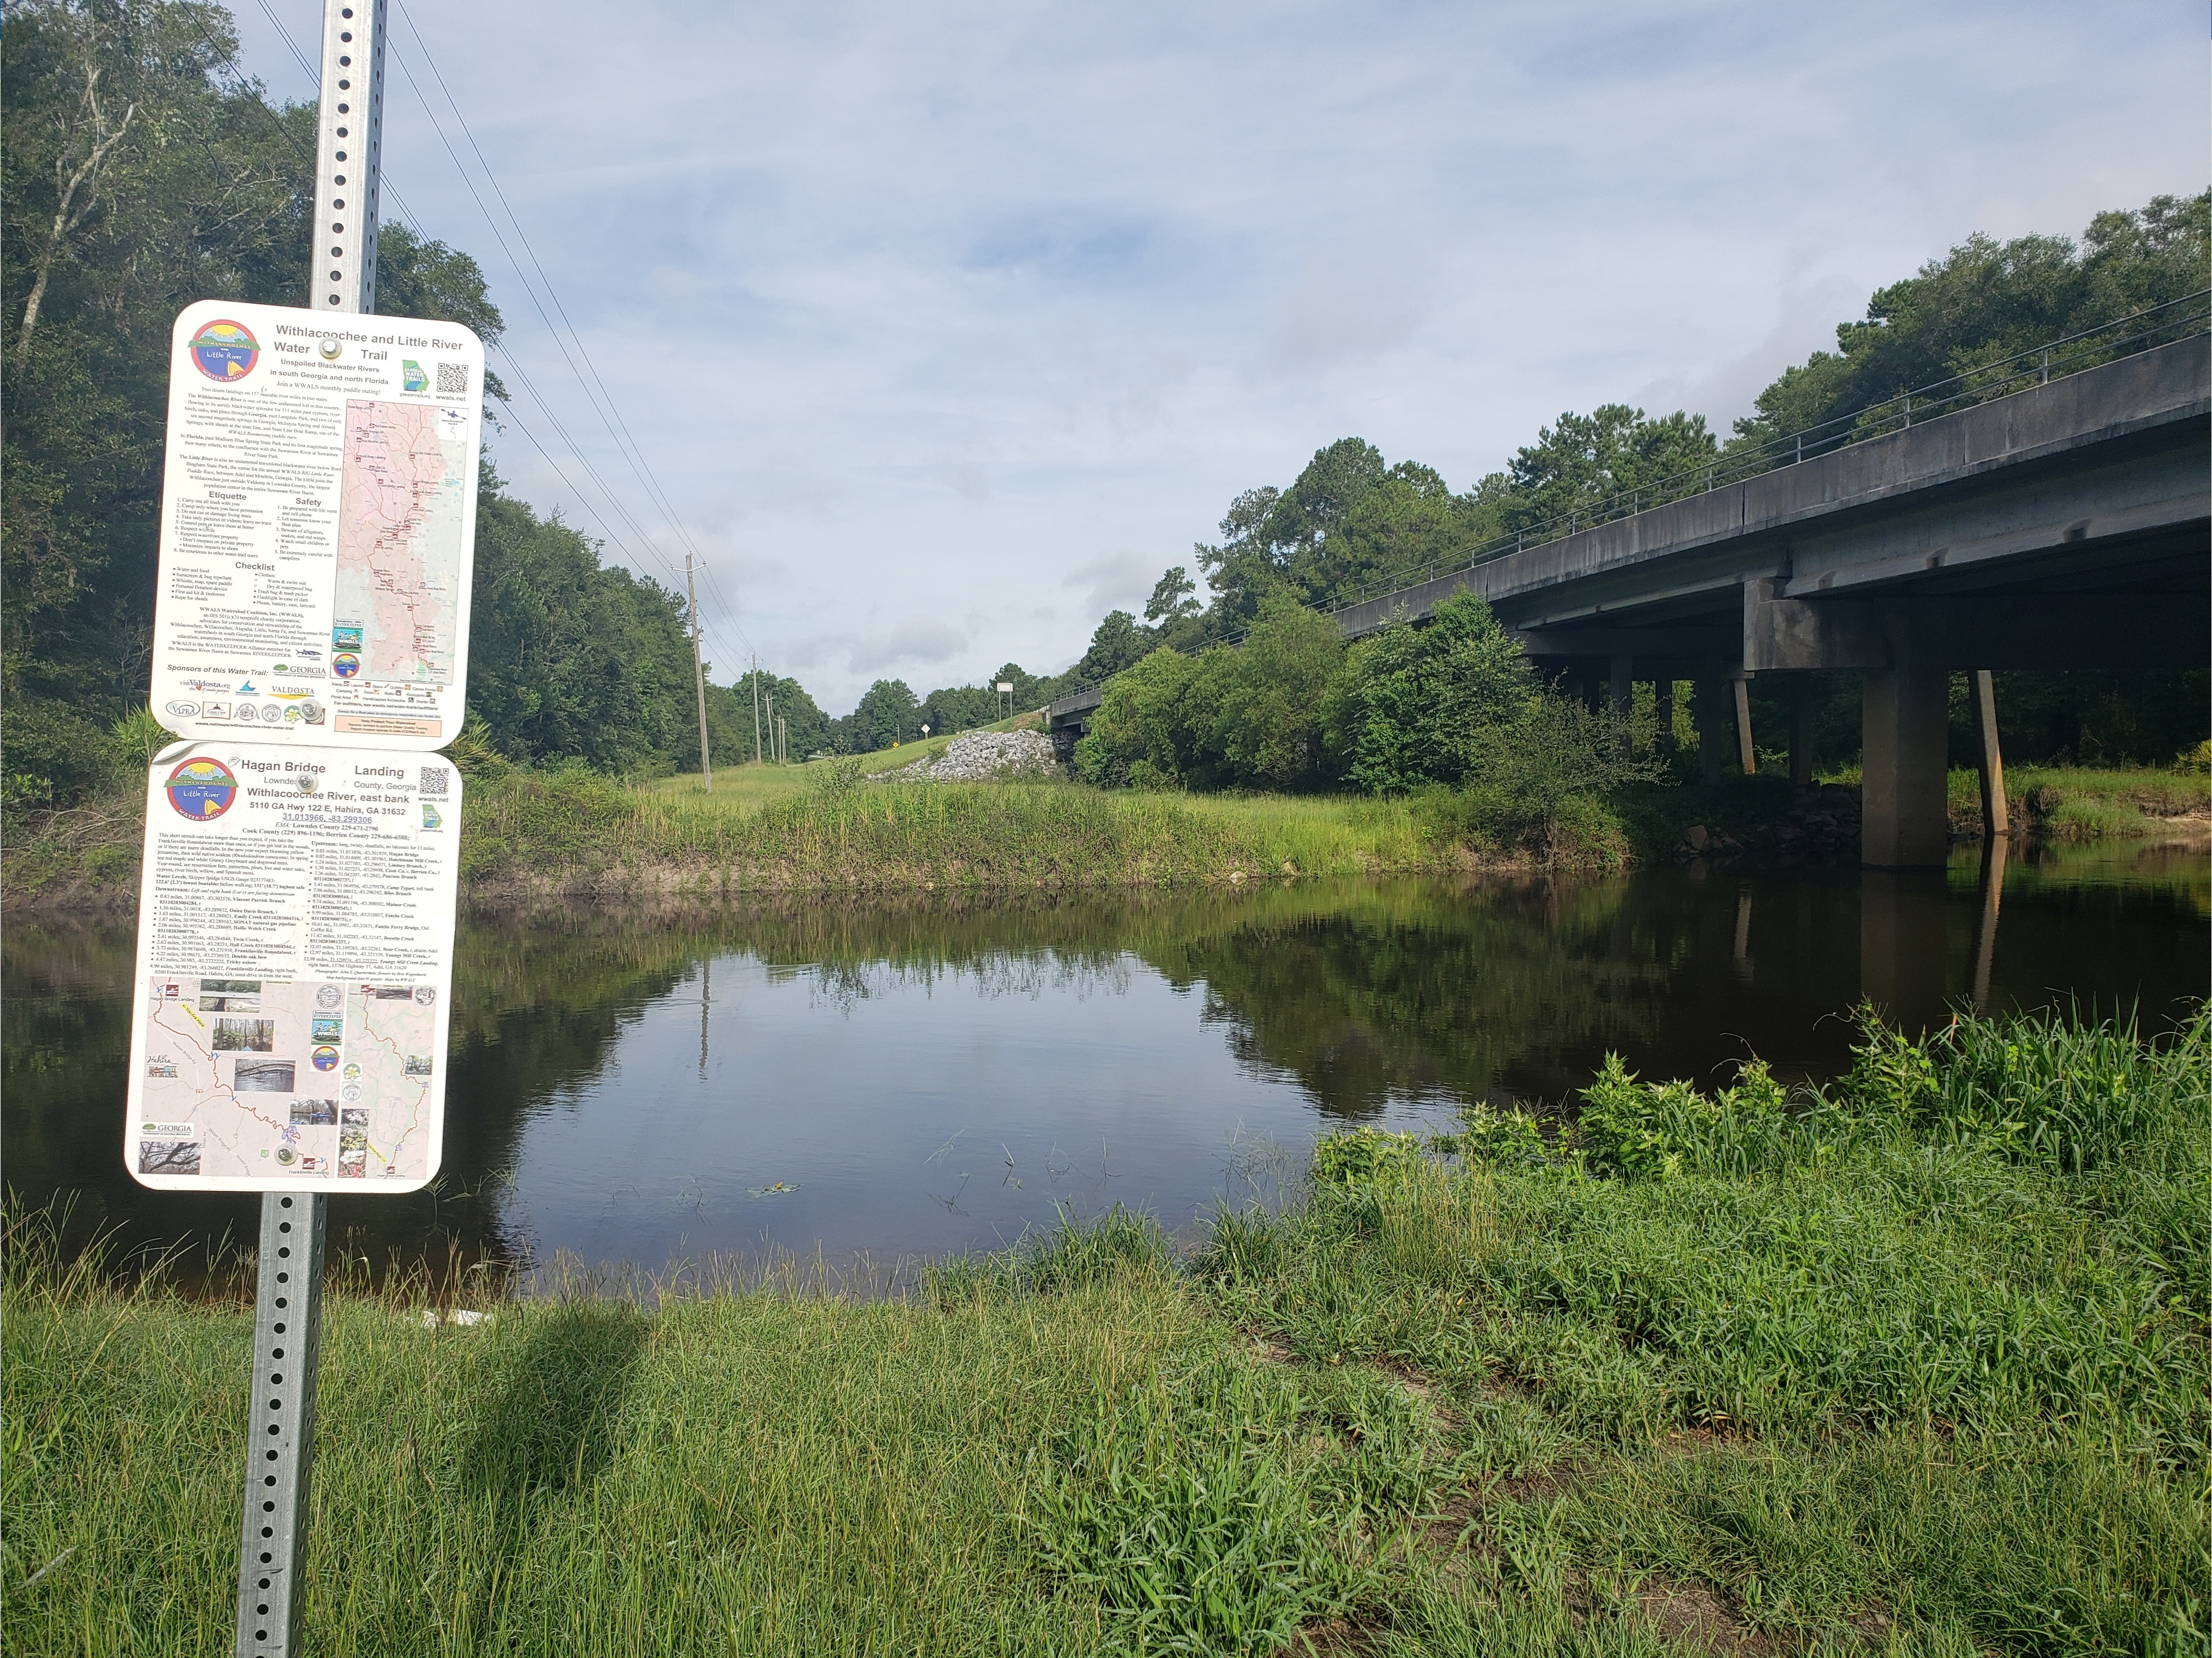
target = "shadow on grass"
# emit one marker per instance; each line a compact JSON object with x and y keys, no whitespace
{"x":552,"y":1427}
{"x":547,"y":1432}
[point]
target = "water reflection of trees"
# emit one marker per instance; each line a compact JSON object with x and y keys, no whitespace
{"x":1362,"y":993}
{"x":1421,"y":990}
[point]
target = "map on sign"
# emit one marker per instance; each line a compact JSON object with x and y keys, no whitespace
{"x":255,"y":1078}
{"x":401,"y":532}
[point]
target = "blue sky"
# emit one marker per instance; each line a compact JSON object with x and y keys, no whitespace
{"x":947,"y":327}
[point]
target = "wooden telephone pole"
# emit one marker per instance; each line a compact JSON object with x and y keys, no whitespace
{"x":699,"y":673}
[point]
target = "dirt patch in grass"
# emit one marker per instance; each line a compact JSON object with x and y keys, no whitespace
{"x":1694,"y":1614}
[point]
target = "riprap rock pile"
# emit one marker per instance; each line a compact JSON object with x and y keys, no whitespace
{"x":987,"y":756}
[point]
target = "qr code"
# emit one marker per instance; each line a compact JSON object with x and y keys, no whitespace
{"x":453,"y":379}
{"x":434,"y":780}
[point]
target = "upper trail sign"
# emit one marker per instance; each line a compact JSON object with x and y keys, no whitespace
{"x":318,"y":527}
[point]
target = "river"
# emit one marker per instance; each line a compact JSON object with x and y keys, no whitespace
{"x":867,"y":1084}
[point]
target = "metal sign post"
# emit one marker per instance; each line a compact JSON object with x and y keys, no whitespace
{"x":301,"y":863}
{"x":288,"y":1333}
{"x":287,"y":1301}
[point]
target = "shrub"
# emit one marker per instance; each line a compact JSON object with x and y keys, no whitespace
{"x":1365,"y":1157}
{"x":1498,"y":1139}
{"x":1417,"y":706}
{"x":1656,"y":1131}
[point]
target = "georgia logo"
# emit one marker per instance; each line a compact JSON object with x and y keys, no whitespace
{"x":201,"y":789}
{"x":225,"y":351}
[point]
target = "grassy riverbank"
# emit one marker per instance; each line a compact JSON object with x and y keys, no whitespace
{"x":1918,"y":1365}
{"x":825,"y":826}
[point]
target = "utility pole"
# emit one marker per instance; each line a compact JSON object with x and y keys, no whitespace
{"x":699,"y":673}
{"x":768,"y":693}
{"x":756,"y":730}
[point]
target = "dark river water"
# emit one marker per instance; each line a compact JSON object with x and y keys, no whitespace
{"x":928,"y":1076}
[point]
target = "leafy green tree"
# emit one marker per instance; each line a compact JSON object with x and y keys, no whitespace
{"x":1417,"y":706}
{"x":1349,"y":523}
{"x":1585,"y":461}
{"x":1171,"y":599}
{"x":569,"y":657}
{"x":806,"y":729}
{"x":1409,"y":522}
{"x":888,"y":714}
{"x":1120,"y":641}
{"x":1030,"y":690}
{"x":136,"y":181}
{"x":143,"y":174}
{"x":958,"y":708}
{"x":1543,"y":778}
{"x":1247,"y":718}
{"x":1142,"y":735}
{"x":1265,"y":728}
{"x":1986,"y":300}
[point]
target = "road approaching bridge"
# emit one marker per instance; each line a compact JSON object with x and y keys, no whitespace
{"x":2066,"y":526}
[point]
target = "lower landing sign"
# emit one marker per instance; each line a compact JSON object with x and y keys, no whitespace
{"x":295,"y":942}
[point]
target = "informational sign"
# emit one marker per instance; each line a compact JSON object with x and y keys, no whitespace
{"x":296,"y":956}
{"x":318,"y":527}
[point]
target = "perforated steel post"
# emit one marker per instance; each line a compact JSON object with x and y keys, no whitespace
{"x":288,"y":1302}
{"x":342,"y":277}
{"x":288,"y":1329}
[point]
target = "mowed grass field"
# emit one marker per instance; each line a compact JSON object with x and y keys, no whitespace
{"x":1916,"y":1364}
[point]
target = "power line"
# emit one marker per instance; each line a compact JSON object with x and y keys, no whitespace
{"x":625,"y":443}
{"x":594,"y":388}
{"x":633,"y":452}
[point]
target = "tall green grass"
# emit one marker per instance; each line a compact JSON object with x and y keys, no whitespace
{"x":552,"y":829}
{"x":1915,"y":1364}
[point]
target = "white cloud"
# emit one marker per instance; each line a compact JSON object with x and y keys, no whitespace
{"x":1119,"y":580}
{"x":989,"y":311}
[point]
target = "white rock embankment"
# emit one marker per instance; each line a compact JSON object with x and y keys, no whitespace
{"x":986,"y":757}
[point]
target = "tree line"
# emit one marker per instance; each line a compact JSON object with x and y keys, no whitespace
{"x":142,"y":170}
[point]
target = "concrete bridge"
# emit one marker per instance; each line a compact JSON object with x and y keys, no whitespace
{"x":2066,"y":526}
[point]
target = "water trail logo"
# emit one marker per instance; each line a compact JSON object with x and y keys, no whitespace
{"x":202,"y":789}
{"x":345,"y":664}
{"x":225,"y":351}
{"x":411,"y":377}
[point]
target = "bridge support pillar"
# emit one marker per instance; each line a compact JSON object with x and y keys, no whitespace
{"x":1995,"y":818}
{"x":1747,"y":755}
{"x":1906,"y":730}
{"x":1708,"y":705}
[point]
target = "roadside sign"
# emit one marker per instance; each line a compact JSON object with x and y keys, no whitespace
{"x":318,"y":527}
{"x":294,"y":969}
